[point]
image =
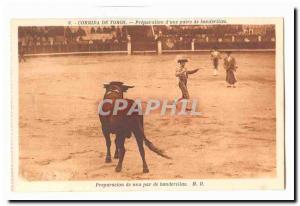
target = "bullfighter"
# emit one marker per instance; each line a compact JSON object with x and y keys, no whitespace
{"x":182,"y":73}
{"x":230,"y":67}
{"x":215,"y":55}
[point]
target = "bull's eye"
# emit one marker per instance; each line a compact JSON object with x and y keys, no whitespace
{"x":115,"y":90}
{"x":113,"y":94}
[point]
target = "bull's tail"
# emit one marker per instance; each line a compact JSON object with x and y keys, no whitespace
{"x":148,"y":143}
{"x":153,"y":148}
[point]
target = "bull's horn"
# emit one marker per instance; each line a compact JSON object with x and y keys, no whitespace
{"x":127,"y":86}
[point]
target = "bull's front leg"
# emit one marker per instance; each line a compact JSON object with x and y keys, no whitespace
{"x":106,"y":134}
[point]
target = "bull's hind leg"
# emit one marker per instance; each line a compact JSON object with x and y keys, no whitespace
{"x":139,"y":136}
{"x":121,"y":150}
{"x":116,"y":155}
{"x":108,"y":144}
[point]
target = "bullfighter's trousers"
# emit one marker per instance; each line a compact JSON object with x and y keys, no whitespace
{"x":184,"y":90}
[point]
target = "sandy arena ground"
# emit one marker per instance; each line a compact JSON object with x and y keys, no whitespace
{"x":61,"y":139}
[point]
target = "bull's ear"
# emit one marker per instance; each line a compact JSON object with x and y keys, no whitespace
{"x":106,"y":86}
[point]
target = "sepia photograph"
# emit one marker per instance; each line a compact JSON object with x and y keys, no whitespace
{"x":140,"y":104}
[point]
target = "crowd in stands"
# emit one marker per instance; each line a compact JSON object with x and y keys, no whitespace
{"x":111,"y":38}
{"x":71,"y":39}
{"x":226,"y":36}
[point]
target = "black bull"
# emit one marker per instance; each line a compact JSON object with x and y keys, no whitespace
{"x":123,"y":126}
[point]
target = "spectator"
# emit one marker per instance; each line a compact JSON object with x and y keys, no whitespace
{"x":68,"y":35}
{"x":81,"y":32}
{"x":99,"y":30}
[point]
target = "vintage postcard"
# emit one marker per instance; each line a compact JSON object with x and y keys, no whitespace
{"x":147,"y":104}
